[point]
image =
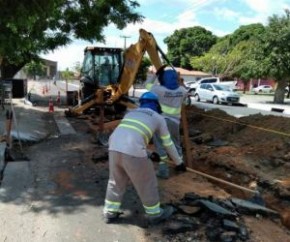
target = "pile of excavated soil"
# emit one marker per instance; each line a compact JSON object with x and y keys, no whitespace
{"x":251,"y":151}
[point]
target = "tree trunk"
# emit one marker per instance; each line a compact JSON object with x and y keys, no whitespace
{"x":280,"y":92}
{"x":9,"y":70}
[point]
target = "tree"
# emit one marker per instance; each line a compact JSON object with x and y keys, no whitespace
{"x":34,"y":68}
{"x":31,"y":27}
{"x":188,"y":42}
{"x":245,"y":33}
{"x":213,"y":61}
{"x":143,"y":70}
{"x":238,"y":55}
{"x":277,"y":52}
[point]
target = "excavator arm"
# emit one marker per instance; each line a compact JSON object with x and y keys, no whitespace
{"x":132,"y":61}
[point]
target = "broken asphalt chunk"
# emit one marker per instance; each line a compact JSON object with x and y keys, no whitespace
{"x":180,"y":226}
{"x":249,"y":208}
{"x":189,"y":210}
{"x":228,"y":236}
{"x":216,"y":208}
{"x":230,"y":225}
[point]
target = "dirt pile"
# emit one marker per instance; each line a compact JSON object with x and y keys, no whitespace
{"x":247,"y":150}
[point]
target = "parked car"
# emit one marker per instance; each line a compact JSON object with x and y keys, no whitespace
{"x":194,"y":85}
{"x":216,"y":93}
{"x":189,"y":84}
{"x":263,"y":89}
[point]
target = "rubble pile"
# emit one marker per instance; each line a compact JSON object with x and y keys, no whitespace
{"x":210,"y":219}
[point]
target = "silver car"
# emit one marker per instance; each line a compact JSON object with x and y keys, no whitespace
{"x":216,"y":93}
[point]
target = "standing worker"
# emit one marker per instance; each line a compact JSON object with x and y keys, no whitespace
{"x":171,"y":96}
{"x":128,"y":160}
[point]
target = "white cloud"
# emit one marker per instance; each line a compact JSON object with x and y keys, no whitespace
{"x":262,"y":10}
{"x":66,"y":56}
{"x":225,"y":13}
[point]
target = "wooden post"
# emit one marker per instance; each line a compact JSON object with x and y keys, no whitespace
{"x":66,"y":90}
{"x":186,"y":140}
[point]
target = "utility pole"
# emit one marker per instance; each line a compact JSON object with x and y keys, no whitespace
{"x":125,"y":38}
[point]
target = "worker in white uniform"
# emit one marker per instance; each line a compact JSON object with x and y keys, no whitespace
{"x":171,"y":96}
{"x":128,"y":160}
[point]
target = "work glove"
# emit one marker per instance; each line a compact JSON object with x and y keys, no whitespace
{"x":163,"y":171}
{"x":154,"y":157}
{"x":180,"y":168}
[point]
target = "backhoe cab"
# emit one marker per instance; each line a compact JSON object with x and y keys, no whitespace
{"x":100,"y":71}
{"x":101,"y":68}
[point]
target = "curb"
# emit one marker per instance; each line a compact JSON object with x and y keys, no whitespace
{"x":280,"y":110}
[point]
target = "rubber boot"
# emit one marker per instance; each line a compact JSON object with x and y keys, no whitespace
{"x":165,"y":213}
{"x":111,"y":217}
{"x":163,"y":171}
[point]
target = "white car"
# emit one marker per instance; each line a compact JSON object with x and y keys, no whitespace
{"x":189,"y":84}
{"x":263,"y":89}
{"x":216,"y":93}
{"x":193,"y":85}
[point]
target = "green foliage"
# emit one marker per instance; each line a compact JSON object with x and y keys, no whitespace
{"x":188,"y":42}
{"x":31,"y":27}
{"x":67,"y":75}
{"x":143,"y":70}
{"x":277,"y":52}
{"x":77,"y":67}
{"x":246,"y":33}
{"x":277,"y":46}
{"x":235,"y":55}
{"x":35,"y":68}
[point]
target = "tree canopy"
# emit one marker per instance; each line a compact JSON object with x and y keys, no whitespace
{"x":253,"y":51}
{"x":31,"y":27}
{"x":277,"y":52}
{"x":188,"y":42}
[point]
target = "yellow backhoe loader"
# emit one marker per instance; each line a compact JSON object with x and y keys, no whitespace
{"x":107,"y":74}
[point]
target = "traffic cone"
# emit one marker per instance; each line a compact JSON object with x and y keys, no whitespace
{"x":50,"y":106}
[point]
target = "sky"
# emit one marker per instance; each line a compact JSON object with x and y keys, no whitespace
{"x":163,"y":17}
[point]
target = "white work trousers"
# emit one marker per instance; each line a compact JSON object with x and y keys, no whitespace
{"x":139,"y":170}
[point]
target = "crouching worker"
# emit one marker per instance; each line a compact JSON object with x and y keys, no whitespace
{"x":128,"y":160}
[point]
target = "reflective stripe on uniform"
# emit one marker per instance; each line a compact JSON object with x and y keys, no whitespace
{"x":153,"y":210}
{"x":138,"y":126}
{"x":112,"y":206}
{"x":170,"y":110}
{"x":163,"y":158}
{"x":148,"y":86}
{"x":166,"y":140}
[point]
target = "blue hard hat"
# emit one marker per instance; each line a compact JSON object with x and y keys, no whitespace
{"x":148,"y":96}
{"x":150,"y":100}
{"x":169,"y":79}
